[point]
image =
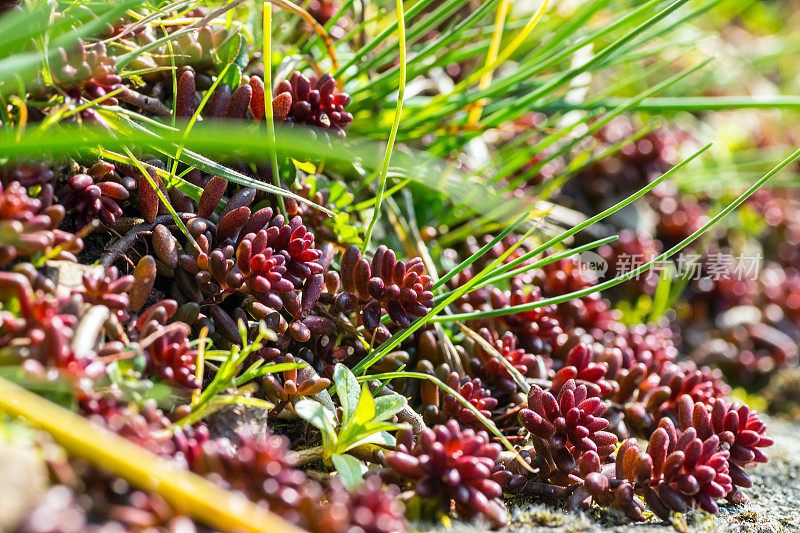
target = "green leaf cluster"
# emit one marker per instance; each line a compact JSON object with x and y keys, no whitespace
{"x":364,"y":421}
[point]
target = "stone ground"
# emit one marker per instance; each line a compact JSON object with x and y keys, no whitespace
{"x":774,"y":505}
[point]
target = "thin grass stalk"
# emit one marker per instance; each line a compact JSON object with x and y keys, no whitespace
{"x":401,"y":35}
{"x":163,"y":199}
{"x":328,"y":25}
{"x":195,"y":116}
{"x":494,"y":48}
{"x":380,"y":38}
{"x":691,"y":104}
{"x":268,"y":115}
{"x":611,"y":115}
{"x":385,"y":79}
{"x":616,"y":207}
{"x":506,"y":271}
{"x":633,"y":273}
{"x":503,"y":273}
{"x":493,"y":60}
{"x":478,"y":254}
{"x":559,"y":81}
{"x":123,"y":61}
{"x":515,"y":374}
{"x":318,"y":29}
{"x":506,"y":84}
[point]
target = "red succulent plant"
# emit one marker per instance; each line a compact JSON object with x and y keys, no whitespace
{"x":451,"y":465}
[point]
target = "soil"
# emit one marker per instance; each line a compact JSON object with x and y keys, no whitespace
{"x":774,"y":505}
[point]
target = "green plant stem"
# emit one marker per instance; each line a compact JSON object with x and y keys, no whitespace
{"x":267,"y":56}
{"x":474,"y":257}
{"x":401,"y":35}
{"x":162,"y":198}
{"x":694,"y":104}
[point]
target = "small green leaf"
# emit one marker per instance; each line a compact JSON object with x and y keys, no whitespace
{"x":365,"y":410}
{"x":347,"y":388}
{"x":351,"y":470}
{"x":344,"y":230}
{"x":383,"y":438}
{"x":388,"y":406}
{"x":114,"y":373}
{"x":321,"y":418}
{"x":339,"y":195}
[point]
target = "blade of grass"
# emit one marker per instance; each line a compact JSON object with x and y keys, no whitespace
{"x":401,"y":31}
{"x":266,"y":53}
{"x":692,"y":104}
{"x":506,"y":272}
{"x":479,"y":253}
{"x":635,"y":272}
{"x":163,"y":199}
{"x":250,"y":140}
{"x":195,"y":116}
{"x":380,"y":38}
{"x":486,"y":79}
{"x":611,"y":115}
{"x":123,"y":60}
{"x":616,"y":207}
{"x":504,"y":85}
{"x":311,"y":21}
{"x":328,"y":25}
{"x":502,"y":115}
{"x":385,"y":82}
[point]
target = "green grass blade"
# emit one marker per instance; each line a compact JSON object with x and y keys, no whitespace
{"x":401,"y":90}
{"x":635,"y":272}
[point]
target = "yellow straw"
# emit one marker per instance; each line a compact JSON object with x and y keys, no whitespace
{"x":494,"y":48}
{"x":188,"y":493}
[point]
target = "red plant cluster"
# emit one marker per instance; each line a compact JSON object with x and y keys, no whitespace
{"x":264,"y":468}
{"x":40,"y":334}
{"x":567,"y":425}
{"x":472,"y":391}
{"x":528,"y":365}
{"x":450,"y":465}
{"x":89,"y":69}
{"x":314,"y":101}
{"x":400,"y":289}
{"x":30,"y":225}
{"x":94,"y":201}
{"x":254,"y":253}
{"x":184,"y":274}
{"x":110,"y":290}
{"x":170,"y":356}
